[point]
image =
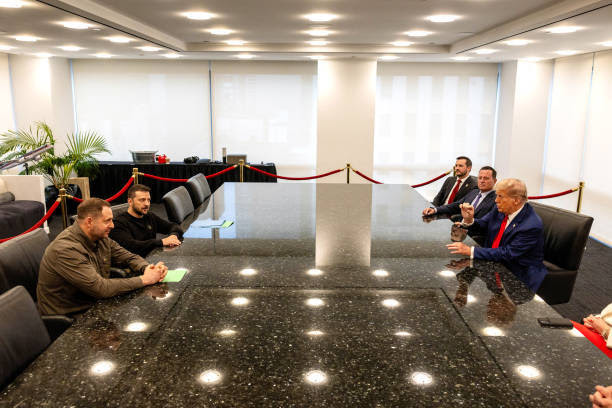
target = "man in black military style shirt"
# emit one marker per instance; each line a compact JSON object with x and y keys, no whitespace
{"x":136,"y":230}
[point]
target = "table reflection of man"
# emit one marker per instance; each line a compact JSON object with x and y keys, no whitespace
{"x":513,"y":234}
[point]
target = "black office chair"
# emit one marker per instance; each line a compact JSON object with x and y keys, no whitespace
{"x":178,"y":204}
{"x":198,"y":188}
{"x":116,"y":209}
{"x":565,"y":237}
{"x":22,"y":333}
{"x":20,"y":260}
{"x":19,"y":263}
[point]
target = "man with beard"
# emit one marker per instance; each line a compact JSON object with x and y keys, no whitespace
{"x":457,"y":186}
{"x":136,"y":230}
{"x":75,"y":269}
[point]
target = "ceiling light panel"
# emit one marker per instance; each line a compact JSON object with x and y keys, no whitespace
{"x":148,"y":48}
{"x":26,"y":38}
{"x":320,"y":17}
{"x":70,"y":48}
{"x":566,"y":52}
{"x":418,"y":33}
{"x":198,"y":15}
{"x":220,"y":31}
{"x":318,"y":32}
{"x":402,"y":43}
{"x":76,"y":25}
{"x":319,"y":43}
{"x":517,"y":42}
{"x":562,"y":29}
{"x":485,"y":51}
{"x":119,"y":39}
{"x":11,"y":3}
{"x":235,"y":42}
{"x":442,"y":18}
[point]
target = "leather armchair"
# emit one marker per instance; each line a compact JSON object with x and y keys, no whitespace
{"x":565,"y":237}
{"x":178,"y":204}
{"x":198,"y":188}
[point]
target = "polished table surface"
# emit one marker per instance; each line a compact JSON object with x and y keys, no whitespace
{"x":417,"y":335}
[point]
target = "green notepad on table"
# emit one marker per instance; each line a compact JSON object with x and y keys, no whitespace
{"x":212,"y":224}
{"x":175,"y":275}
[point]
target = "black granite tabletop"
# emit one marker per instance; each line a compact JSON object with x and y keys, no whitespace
{"x":318,"y":295}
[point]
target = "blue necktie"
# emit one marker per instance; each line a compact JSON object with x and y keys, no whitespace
{"x":478,"y":197}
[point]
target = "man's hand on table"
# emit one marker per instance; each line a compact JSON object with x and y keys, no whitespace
{"x":171,"y":241}
{"x":429,"y":211}
{"x":154,"y":273}
{"x":459,"y":248}
{"x":602,"y":397}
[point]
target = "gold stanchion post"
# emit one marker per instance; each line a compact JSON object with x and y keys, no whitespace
{"x":348,"y":173}
{"x":135,"y":174}
{"x":241,"y":163}
{"x":62,"y":194}
{"x":580,"y":188}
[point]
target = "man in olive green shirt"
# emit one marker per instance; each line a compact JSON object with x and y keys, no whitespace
{"x":75,"y":268}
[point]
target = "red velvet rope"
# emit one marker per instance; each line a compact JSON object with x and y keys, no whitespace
{"x":221,"y":172}
{"x":294,"y":178}
{"x":162,"y":178}
{"x":130,"y":181}
{"x":552,"y":195}
{"x":77,"y":199}
{"x":430,"y":181}
{"x":366,"y":177}
{"x":38,"y":224}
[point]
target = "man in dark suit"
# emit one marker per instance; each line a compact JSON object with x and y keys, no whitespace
{"x":513,"y":234}
{"x":457,"y":186}
{"x":482,"y":199}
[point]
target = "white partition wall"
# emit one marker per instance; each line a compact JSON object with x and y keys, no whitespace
{"x":429,"y":113}
{"x":6,"y":100}
{"x":345,"y":127}
{"x":145,"y":105}
{"x":266,"y":110}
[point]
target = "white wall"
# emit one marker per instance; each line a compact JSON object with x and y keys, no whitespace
{"x":42,"y":91}
{"x":345,"y":118}
{"x":523,"y":112}
{"x":6,"y":100}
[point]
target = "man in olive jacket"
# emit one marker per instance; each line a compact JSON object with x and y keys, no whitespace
{"x":75,"y":268}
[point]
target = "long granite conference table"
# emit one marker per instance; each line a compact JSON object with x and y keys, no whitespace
{"x":318,"y":295}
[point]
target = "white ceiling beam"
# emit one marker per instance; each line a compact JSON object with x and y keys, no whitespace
{"x":331,"y":48}
{"x":97,"y":13}
{"x":541,"y":18}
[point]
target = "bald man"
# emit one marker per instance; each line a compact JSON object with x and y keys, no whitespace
{"x":513,"y":234}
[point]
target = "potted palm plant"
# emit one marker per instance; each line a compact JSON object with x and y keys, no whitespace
{"x":79,"y":157}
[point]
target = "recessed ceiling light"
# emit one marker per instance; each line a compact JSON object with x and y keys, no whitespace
{"x":606,"y":43}
{"x":318,"y":32}
{"x":6,"y":47}
{"x":172,"y":55}
{"x":442,"y":18}
{"x":245,"y":56}
{"x":11,"y":3}
{"x":485,"y":51}
{"x":103,"y":55}
{"x":198,"y":15}
{"x":418,"y":33}
{"x":532,"y":59}
{"x":320,"y":17}
{"x":70,"y":48}
{"x":220,"y":31}
{"x":318,"y":42}
{"x":26,"y":38}
{"x":76,"y":25}
{"x":235,"y":42}
{"x":562,"y":29}
{"x":566,"y":52}
{"x":43,"y":55}
{"x":517,"y":42}
{"x":118,"y":39}
{"x":388,"y":57}
{"x":461,"y":58}
{"x":402,"y":43}
{"x":149,"y":48}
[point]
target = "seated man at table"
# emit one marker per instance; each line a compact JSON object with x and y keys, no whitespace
{"x":457,"y":186}
{"x":482,"y":199}
{"x":75,"y":268}
{"x":136,"y":230}
{"x":513,"y":234}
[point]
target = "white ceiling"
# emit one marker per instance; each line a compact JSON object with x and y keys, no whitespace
{"x":274,"y":29}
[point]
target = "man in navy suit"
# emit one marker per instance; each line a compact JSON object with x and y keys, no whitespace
{"x":457,"y":186}
{"x":513,"y":234}
{"x":482,"y":199}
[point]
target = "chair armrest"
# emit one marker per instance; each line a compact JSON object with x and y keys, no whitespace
{"x":56,"y":325}
{"x":117,"y":273}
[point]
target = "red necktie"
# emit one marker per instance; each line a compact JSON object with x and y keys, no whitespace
{"x":498,"y":238}
{"x":454,"y":192}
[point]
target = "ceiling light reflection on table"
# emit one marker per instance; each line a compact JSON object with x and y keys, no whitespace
{"x":390,"y":303}
{"x":529,"y":372}
{"x":240,"y":301}
{"x":316,"y":377}
{"x":210,"y":377}
{"x":421,"y":378}
{"x":102,"y":367}
{"x":136,"y":327}
{"x":315,"y":302}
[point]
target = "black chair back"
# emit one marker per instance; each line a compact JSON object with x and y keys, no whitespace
{"x":119,"y":209}
{"x":22,"y":333}
{"x":198,"y":188}
{"x":565,"y":235}
{"x":20,"y":260}
{"x":178,"y":204}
